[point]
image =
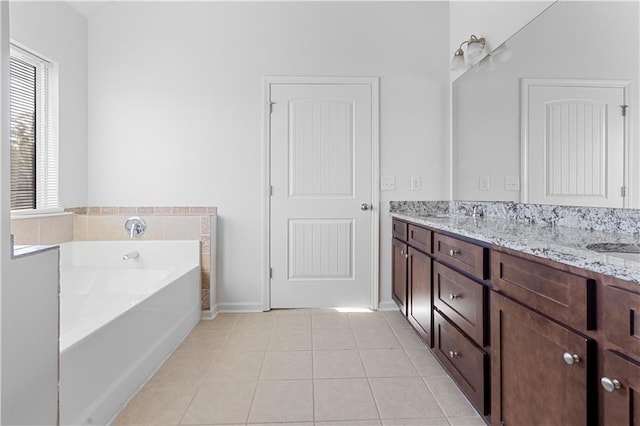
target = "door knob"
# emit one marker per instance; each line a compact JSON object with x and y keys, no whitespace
{"x":610,"y":385}
{"x":364,"y":207}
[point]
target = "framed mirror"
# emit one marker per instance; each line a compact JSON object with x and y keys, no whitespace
{"x":536,"y":128}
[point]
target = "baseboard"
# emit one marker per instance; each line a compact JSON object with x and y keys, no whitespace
{"x":389,"y":305}
{"x":238,"y":307}
{"x":209,"y":314}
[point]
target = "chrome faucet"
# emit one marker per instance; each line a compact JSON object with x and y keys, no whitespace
{"x":477,"y":212}
{"x":135,"y":226}
{"x":131,"y":255}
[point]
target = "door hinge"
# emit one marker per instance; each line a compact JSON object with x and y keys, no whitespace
{"x":624,"y":110}
{"x":270,"y":273}
{"x":271,"y":104}
{"x":623,"y":191}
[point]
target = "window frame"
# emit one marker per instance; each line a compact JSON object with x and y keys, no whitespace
{"x":47,"y":143}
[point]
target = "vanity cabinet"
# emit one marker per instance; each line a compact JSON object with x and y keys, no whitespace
{"x":620,"y":383}
{"x":420,"y":305}
{"x":399,"y":273}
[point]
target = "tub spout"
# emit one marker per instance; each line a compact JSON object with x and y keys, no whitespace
{"x":131,"y":255}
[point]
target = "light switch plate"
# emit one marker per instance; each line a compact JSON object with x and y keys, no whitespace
{"x":416,"y":183}
{"x":512,"y":183}
{"x":387,"y":183}
{"x":484,"y":183}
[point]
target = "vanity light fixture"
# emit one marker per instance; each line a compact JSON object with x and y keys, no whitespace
{"x":476,"y":50}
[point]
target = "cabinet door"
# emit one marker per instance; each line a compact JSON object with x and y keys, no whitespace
{"x":542,"y":373}
{"x":420,"y":311}
{"x":622,"y":400}
{"x":399,"y":273}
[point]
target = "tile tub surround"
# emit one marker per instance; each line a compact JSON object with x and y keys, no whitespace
{"x":552,"y":232}
{"x":163,"y":223}
{"x":42,"y":229}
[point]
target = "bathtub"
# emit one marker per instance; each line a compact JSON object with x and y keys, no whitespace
{"x":120,"y":319}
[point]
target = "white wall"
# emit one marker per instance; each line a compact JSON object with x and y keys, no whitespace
{"x":175,"y":106}
{"x":55,"y":30}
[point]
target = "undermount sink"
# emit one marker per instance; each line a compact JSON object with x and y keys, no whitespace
{"x":622,"y":250}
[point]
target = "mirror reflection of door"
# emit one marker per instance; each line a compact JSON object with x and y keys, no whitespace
{"x":573,"y":142}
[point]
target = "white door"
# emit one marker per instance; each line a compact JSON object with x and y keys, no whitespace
{"x":575,"y":145}
{"x":321,"y":177}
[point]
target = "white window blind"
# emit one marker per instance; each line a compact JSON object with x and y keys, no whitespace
{"x":34,"y":143}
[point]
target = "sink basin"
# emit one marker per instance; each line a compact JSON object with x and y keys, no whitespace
{"x":620,"y":250}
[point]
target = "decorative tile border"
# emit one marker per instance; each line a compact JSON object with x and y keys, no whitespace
{"x":164,"y":223}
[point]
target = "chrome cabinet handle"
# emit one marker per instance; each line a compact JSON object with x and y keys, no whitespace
{"x":454,"y":296}
{"x":453,"y":252}
{"x":454,"y":354}
{"x":571,"y":358}
{"x":610,"y":385}
{"x":364,"y":207}
{"x":402,"y":252}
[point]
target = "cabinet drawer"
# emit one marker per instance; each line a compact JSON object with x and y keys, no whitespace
{"x":400,"y":229}
{"x":563,"y":296}
{"x":622,"y":313}
{"x":420,"y":238}
{"x":467,"y":364}
{"x":621,"y":405}
{"x":467,"y":257}
{"x":462,"y":300}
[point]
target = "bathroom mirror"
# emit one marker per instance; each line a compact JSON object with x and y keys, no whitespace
{"x":582,"y":41}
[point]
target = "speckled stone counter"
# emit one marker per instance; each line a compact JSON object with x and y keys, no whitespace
{"x":551,"y":232}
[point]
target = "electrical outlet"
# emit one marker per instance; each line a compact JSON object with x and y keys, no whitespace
{"x":416,"y":183}
{"x":387,"y":183}
{"x":484,"y":183}
{"x":512,"y":183}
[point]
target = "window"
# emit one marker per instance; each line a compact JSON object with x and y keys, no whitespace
{"x":34,"y":143}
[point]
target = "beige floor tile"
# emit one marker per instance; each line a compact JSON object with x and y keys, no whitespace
{"x":283,"y":365}
{"x":290,"y":340}
{"x":329,"y":320}
{"x":337,"y":364}
{"x":375,"y":338}
{"x":247,"y":340}
{"x":396,"y":320}
{"x":283,"y":424}
{"x":416,"y":422}
{"x":367,"y":320}
{"x":404,"y":398}
{"x":344,"y":399}
{"x":220,"y":322}
{"x":282,"y":401}
{"x":221,"y":402}
{"x":426,"y":364}
{"x":333,"y":339}
{"x":185,"y":367}
{"x":236,"y":365}
{"x":409,"y":339}
{"x":467,"y":421}
{"x":351,"y":423}
{"x":293,"y":321}
{"x":204,"y":340}
{"x":158,"y":404}
{"x":261,"y":320}
{"x":387,"y":363}
{"x":449,"y":396}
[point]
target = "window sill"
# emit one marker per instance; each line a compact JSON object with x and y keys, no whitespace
{"x":35,"y":214}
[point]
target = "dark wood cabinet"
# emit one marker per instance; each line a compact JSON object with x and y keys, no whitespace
{"x":542,"y":372}
{"x":420,"y":307}
{"x":620,"y":384}
{"x":399,"y":274}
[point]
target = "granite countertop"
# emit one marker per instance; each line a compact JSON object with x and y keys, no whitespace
{"x":563,"y":244}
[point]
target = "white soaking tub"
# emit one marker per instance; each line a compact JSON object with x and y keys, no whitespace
{"x":120,"y":319}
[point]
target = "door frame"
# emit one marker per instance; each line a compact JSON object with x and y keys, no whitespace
{"x":267,"y":83}
{"x":526,"y":83}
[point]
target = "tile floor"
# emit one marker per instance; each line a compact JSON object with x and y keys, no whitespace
{"x":301,"y":367}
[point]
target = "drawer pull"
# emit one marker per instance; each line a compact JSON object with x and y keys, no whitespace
{"x":610,"y":385}
{"x":402,"y":252}
{"x":455,"y":296}
{"x":571,"y":358}
{"x":454,"y":354}
{"x":453,"y":252}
